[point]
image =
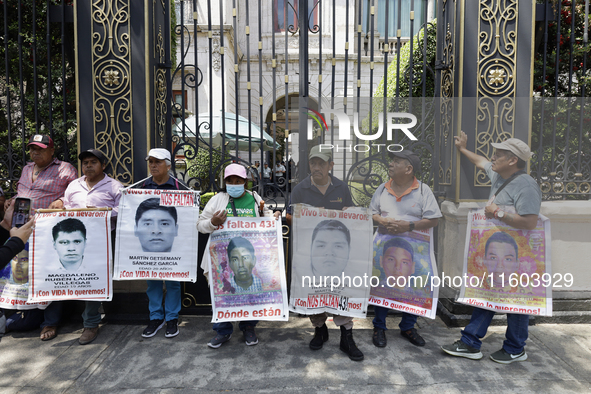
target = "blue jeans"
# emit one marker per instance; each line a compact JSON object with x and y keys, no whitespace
{"x":226,"y":328}
{"x":172,"y":302}
{"x":379,"y":321}
{"x":91,"y":315}
{"x":515,"y":336}
{"x":52,"y":314}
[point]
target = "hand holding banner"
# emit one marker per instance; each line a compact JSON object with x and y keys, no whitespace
{"x":148,"y":244}
{"x":71,"y":255}
{"x":247,"y":270}
{"x":504,"y":267}
{"x":331,"y":261}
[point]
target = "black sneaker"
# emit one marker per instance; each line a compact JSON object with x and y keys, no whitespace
{"x":172,"y":328}
{"x":219,"y":340}
{"x":503,"y":357}
{"x":249,"y":336}
{"x":379,"y":337}
{"x":320,"y":336}
{"x":413,"y":336}
{"x":460,"y":349}
{"x":153,"y":328}
{"x":348,"y":345}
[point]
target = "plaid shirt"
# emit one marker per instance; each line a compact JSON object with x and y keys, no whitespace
{"x":51,"y":183}
{"x":256,"y":287}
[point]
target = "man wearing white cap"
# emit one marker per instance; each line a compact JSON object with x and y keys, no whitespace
{"x":159,"y":163}
{"x":234,"y":201}
{"x":321,"y":189}
{"x":511,"y":186}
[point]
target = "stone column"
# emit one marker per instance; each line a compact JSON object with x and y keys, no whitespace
{"x":122,"y":69}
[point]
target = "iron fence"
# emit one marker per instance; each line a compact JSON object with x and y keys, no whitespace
{"x":37,"y":86}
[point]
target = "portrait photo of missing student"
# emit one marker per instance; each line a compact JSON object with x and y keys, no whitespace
{"x":69,"y":242}
{"x":156,"y":226}
{"x":327,"y":246}
{"x":242,"y":260}
{"x":404,"y":266}
{"x":17,"y":272}
{"x":329,"y":249}
{"x":501,"y":258}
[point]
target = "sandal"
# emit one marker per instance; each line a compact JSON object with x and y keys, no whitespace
{"x":51,"y":331}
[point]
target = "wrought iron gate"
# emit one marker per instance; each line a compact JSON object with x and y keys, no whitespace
{"x":249,"y":67}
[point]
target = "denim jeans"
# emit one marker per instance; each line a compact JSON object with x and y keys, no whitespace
{"x":91,"y":315}
{"x":379,"y":321}
{"x":52,"y":314}
{"x":515,"y":336}
{"x":172,"y":302}
{"x":226,"y":328}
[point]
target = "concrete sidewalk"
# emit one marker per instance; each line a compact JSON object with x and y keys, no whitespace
{"x":121,"y":361}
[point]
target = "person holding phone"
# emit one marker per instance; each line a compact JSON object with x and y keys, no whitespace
{"x":44,"y":181}
{"x":13,"y":239}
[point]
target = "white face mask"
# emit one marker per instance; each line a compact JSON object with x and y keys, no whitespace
{"x":235,"y":191}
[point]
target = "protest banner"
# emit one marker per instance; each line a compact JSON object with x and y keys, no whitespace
{"x":71,"y":255}
{"x":507,"y":269}
{"x":405,"y":265}
{"x":157,"y":235}
{"x":331,"y":263}
{"x":14,"y":284}
{"x":247,"y":270}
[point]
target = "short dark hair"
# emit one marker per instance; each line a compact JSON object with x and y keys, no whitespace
{"x":69,"y":225}
{"x":398,"y":242}
{"x":332,"y":225}
{"x":502,"y":237}
{"x":154,"y":204}
{"x":240,"y":242}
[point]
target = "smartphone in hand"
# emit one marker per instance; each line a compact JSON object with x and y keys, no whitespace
{"x":22,"y":211}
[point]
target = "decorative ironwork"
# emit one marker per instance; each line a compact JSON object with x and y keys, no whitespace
{"x":497,"y":40}
{"x":160,"y":90}
{"x":446,"y":107}
{"x":111,"y":67}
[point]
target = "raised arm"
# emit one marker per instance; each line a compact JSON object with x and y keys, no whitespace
{"x":477,"y":160}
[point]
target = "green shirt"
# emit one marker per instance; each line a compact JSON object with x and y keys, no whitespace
{"x":245,"y":206}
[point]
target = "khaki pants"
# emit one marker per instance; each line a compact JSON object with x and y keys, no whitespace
{"x":320,"y":319}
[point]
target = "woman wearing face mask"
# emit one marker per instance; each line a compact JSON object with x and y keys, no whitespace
{"x":235,"y":201}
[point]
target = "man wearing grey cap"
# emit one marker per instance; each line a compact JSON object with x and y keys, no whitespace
{"x":519,"y":190}
{"x":321,"y":189}
{"x":94,"y":189}
{"x":400,"y":205}
{"x":159,"y":163}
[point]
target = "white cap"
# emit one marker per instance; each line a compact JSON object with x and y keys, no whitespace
{"x":159,"y":153}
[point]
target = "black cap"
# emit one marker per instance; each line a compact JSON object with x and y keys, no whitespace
{"x":93,"y":152}
{"x":409,"y":155}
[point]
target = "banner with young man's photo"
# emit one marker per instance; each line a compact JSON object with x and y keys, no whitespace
{"x":331,"y":263}
{"x":14,"y":284}
{"x":247,"y":270}
{"x":157,"y":235}
{"x":405,"y":266}
{"x":506,"y":269}
{"x":70,"y":252}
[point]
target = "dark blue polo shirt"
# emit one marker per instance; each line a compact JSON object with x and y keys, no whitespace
{"x":170,"y":184}
{"x":337,"y":195}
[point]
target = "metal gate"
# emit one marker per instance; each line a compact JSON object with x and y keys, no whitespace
{"x":246,"y":68}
